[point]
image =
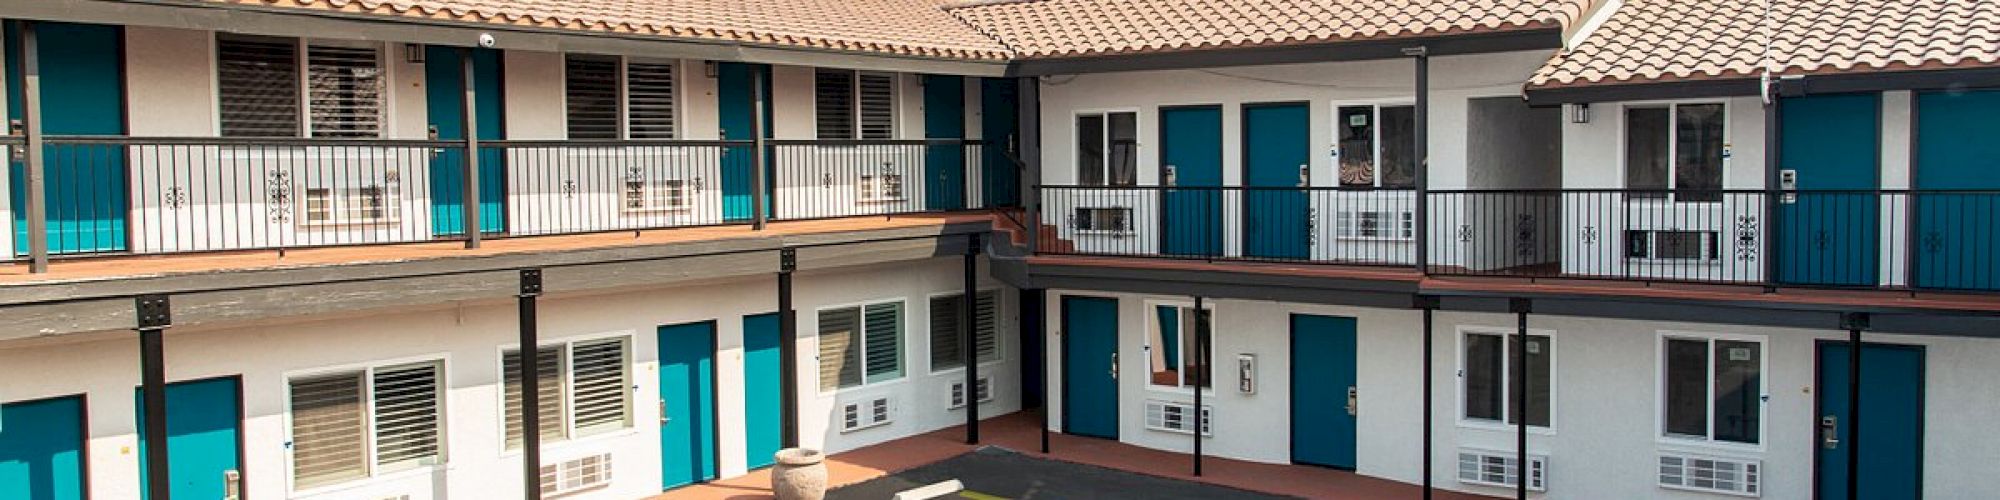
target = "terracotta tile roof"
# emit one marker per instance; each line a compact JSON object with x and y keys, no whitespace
{"x":1667,"y":40}
{"x":898,"y":27}
{"x":1072,"y":28}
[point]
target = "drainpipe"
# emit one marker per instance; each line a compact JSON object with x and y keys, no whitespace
{"x":155,"y":315}
{"x":1520,"y":308}
{"x":531,"y":418}
{"x":966,"y":346}
{"x":1200,"y":373}
{"x":1028,"y":96}
{"x":1423,"y":145}
{"x":1429,"y":303}
{"x":788,"y":349}
{"x":471,"y":198}
{"x":1038,"y":321}
{"x":35,"y":192}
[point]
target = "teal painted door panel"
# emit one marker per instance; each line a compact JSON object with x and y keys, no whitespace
{"x":999,"y":104}
{"x":1191,"y":144}
{"x":944,"y":166}
{"x":1275,"y":145}
{"x":203,"y":431}
{"x":1958,"y":148}
{"x":763,"y":390}
{"x":1090,"y":390}
{"x":1323,"y":370}
{"x":1831,"y":234}
{"x":83,"y":93}
{"x":737,"y":102}
{"x":445,"y":100}
{"x":41,"y":449}
{"x":687,"y":400}
{"x":1892,"y":429}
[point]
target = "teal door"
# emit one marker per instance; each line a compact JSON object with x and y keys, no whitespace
{"x":83,"y":93}
{"x":737,"y":102}
{"x":1275,"y":151}
{"x":204,"y":437}
{"x":763,"y":390}
{"x":1830,"y":233}
{"x":687,"y":404}
{"x":1892,"y":421}
{"x":444,"y":71}
{"x":1323,"y":367}
{"x":41,"y":449}
{"x":944,"y":166}
{"x":1090,"y":366}
{"x":999,"y":104}
{"x":1958,"y":229}
{"x":1191,"y":154}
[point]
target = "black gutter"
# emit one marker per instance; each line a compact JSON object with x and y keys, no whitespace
{"x":1547,"y":38}
{"x":1836,"y":83}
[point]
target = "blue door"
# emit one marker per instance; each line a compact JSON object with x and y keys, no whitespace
{"x":1275,"y":151}
{"x":737,"y":102}
{"x":944,"y":166}
{"x":763,"y":391}
{"x":1090,"y":366}
{"x":1829,"y":234}
{"x":204,"y":437}
{"x":999,"y":104}
{"x":687,"y":404}
{"x":1892,"y":421}
{"x":1958,"y":232}
{"x":83,"y":93}
{"x":1191,"y":151}
{"x":41,"y":449}
{"x":1323,"y":366}
{"x":444,"y":71}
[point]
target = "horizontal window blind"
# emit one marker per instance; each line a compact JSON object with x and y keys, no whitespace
{"x":257,"y":86}
{"x":833,"y":103}
{"x":649,"y":89}
{"x":329,"y":432}
{"x":602,"y":402}
{"x":344,"y":86}
{"x":878,"y":106}
{"x":407,"y":415}
{"x":549,"y":388}
{"x":839,"y":348}
{"x":883,"y":341}
{"x":591,"y":94}
{"x":945,"y":314}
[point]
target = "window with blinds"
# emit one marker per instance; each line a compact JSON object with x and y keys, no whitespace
{"x":851,"y":105}
{"x":601,"y":401}
{"x":649,"y":89}
{"x":947,"y":313}
{"x":257,"y":80}
{"x":354,"y":424}
{"x":833,"y":103}
{"x":860,"y":345}
{"x":581,"y":385}
{"x":877,"y":107}
{"x":344,"y":90}
{"x":590,"y":92}
{"x":549,"y":389}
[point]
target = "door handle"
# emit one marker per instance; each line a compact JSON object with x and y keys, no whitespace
{"x":1353,"y":400}
{"x":1114,"y":366}
{"x":232,"y":485}
{"x":1305,"y":175}
{"x":1829,"y":432}
{"x":1169,"y":177}
{"x":663,"y":413}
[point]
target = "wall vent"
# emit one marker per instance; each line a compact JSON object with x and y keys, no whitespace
{"x":865,"y":414}
{"x":1498,"y":468}
{"x":577,"y":475}
{"x":1718,"y":475}
{"x":985,"y":389}
{"x":1173,"y":417}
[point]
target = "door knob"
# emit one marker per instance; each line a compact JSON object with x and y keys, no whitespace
{"x":232,"y":485}
{"x":1114,"y":366}
{"x":663,"y":413}
{"x":1829,"y":432}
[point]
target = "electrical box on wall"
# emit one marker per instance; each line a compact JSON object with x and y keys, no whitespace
{"x":1246,"y":373}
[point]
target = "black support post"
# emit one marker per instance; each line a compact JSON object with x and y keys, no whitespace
{"x":1029,"y":118}
{"x":1200,"y":374}
{"x":760,"y":183}
{"x":1771,"y":195}
{"x":35,"y":194}
{"x":531,"y":420}
{"x":471,"y":196}
{"x":1855,"y":323}
{"x":969,"y":351}
{"x":1520,"y":308}
{"x":155,"y":315}
{"x":1422,"y":139}
{"x":788,"y":348}
{"x":1036,"y":318}
{"x":1429,"y":303}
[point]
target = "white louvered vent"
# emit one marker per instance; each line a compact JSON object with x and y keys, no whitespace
{"x":344,"y":91}
{"x":1173,"y":417}
{"x":576,"y":476}
{"x":1498,"y":468}
{"x":985,"y":390}
{"x":257,"y":80}
{"x":864,"y":414}
{"x":590,"y":92}
{"x":877,"y":106}
{"x":407,"y":416}
{"x":1719,"y":475}
{"x":649,"y":89}
{"x":602,"y":402}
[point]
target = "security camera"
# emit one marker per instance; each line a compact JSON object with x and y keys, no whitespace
{"x":486,"y":40}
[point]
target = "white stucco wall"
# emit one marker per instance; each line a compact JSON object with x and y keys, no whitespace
{"x":469,"y":338}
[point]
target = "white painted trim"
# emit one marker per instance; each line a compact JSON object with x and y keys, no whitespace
{"x":1151,"y":321}
{"x":999,"y":321}
{"x":568,"y":374}
{"x":903,"y":357}
{"x":1506,"y":382}
{"x":1673,"y":148}
{"x":1076,"y":136}
{"x":1707,"y":444}
{"x":1375,"y":113}
{"x":367,"y":369}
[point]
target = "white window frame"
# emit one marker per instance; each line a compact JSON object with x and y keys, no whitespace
{"x":1507,"y":376}
{"x":1402,"y":225}
{"x":861,"y":340}
{"x":854,"y":106}
{"x":653,"y":196}
{"x":367,"y":371}
{"x":999,"y":326}
{"x":1104,"y":141}
{"x":1673,"y":146}
{"x":1375,"y":113}
{"x":680,"y":79}
{"x":1152,"y":326}
{"x":1711,"y":240}
{"x":568,"y":379}
{"x":385,"y":108}
{"x":1708,"y":441}
{"x":340,"y":200}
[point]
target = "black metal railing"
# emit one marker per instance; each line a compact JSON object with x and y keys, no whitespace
{"x":1333,"y":225}
{"x":845,"y":178}
{"x":568,"y":187}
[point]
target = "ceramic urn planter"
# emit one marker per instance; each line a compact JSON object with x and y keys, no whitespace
{"x":800,"y":474}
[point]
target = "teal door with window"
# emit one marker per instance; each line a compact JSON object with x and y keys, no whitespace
{"x":41,"y":449}
{"x":1830,"y":233}
{"x":1891,"y":420}
{"x":1276,"y":150}
{"x":83,"y":93}
{"x":1090,"y":366}
{"x":1323,"y":378}
{"x":1958,"y":205}
{"x":687,"y":404}
{"x":444,"y":71}
{"x":737,"y":101}
{"x":1191,"y":206}
{"x":763,"y":390}
{"x":944,"y":165}
{"x":204,"y":438}
{"x":1000,"y":122}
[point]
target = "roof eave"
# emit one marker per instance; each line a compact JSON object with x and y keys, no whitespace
{"x":1532,"y":38}
{"x":1737,"y":86}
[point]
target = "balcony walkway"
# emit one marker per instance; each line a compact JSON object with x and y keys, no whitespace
{"x":1018,"y":432}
